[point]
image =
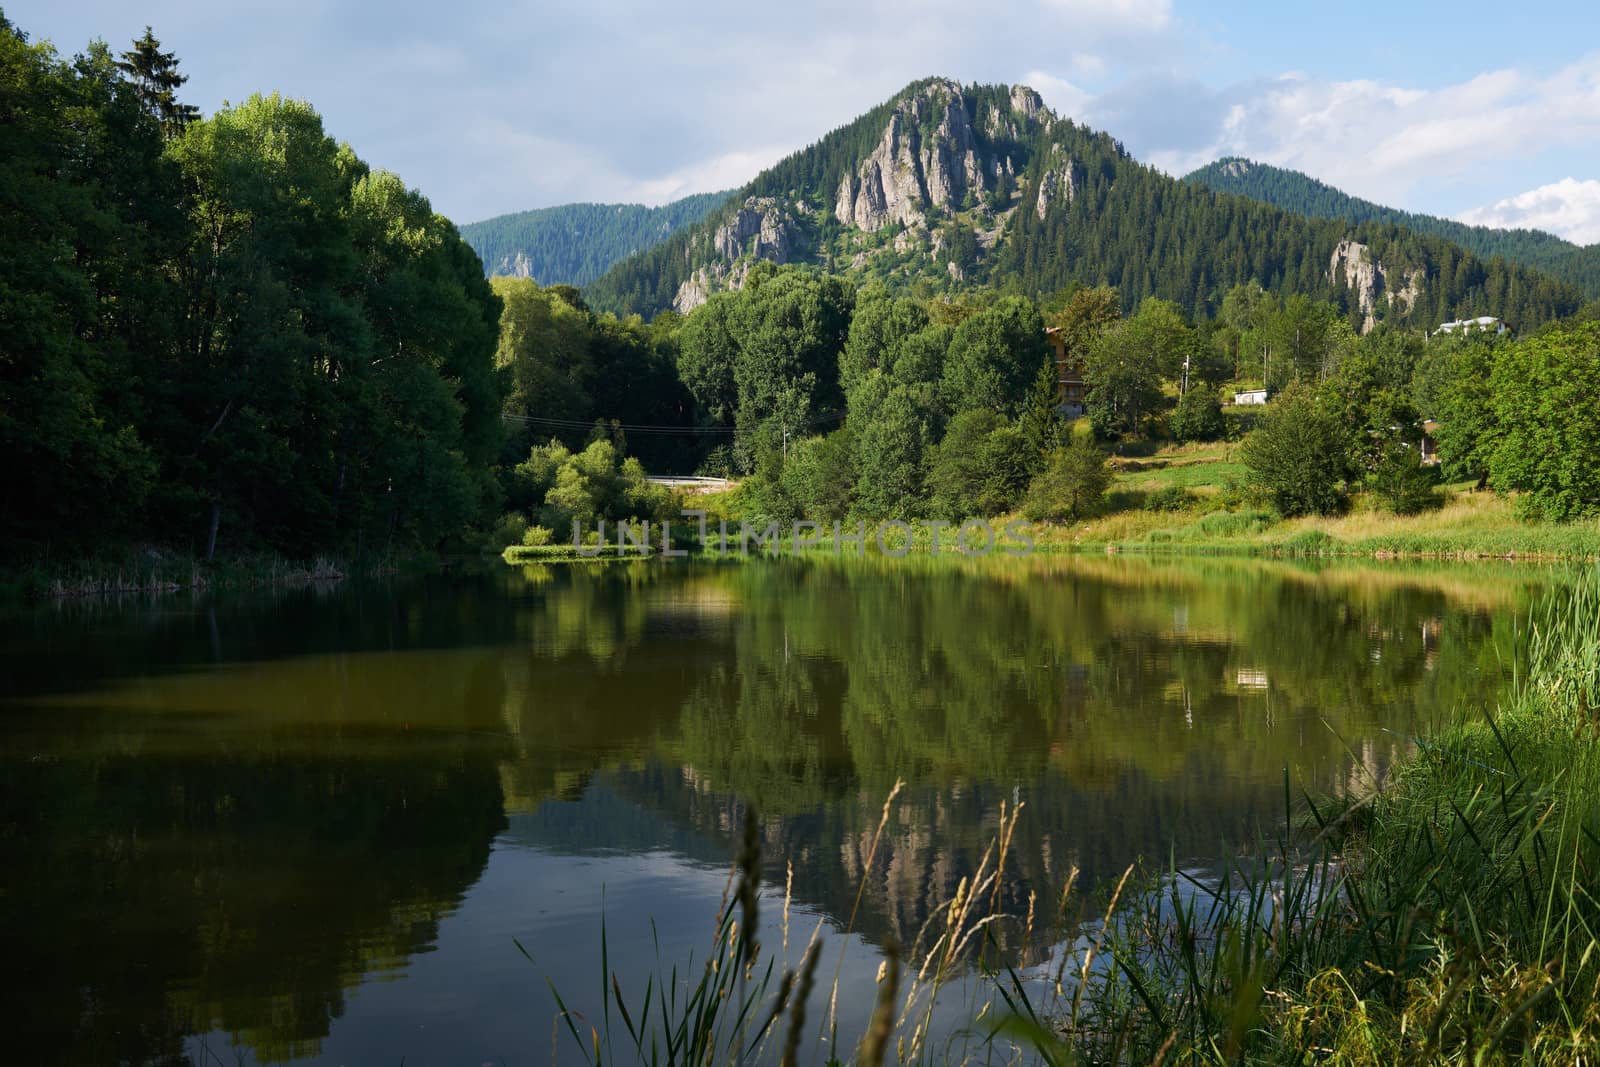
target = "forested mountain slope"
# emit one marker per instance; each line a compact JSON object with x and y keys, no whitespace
{"x":1305,"y":195}
{"x":946,"y":186}
{"x":573,"y":244}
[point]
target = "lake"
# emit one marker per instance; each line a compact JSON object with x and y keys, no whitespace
{"x":315,"y":824}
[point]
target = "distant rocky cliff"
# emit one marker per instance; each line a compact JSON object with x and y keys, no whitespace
{"x":1353,"y":266}
{"x":948,"y":186}
{"x":943,"y":161}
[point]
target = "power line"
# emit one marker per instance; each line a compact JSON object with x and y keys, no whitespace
{"x":641,"y":428}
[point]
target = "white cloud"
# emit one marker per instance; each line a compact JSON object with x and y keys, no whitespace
{"x":1060,"y":95}
{"x":1384,"y":142}
{"x":510,"y":105}
{"x":1568,"y":208}
{"x":727,"y":171}
{"x":1150,"y":14}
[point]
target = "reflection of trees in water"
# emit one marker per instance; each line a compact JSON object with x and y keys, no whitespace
{"x":150,"y":899}
{"x":170,"y":871}
{"x":168,"y":868}
{"x":1137,"y":713}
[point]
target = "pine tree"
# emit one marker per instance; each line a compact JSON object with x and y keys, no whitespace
{"x":1041,"y":424}
{"x":155,"y":73}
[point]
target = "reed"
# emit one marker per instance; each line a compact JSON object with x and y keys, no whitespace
{"x":1449,"y":916}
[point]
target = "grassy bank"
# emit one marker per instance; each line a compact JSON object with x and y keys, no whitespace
{"x":1445,"y":916}
{"x":1193,"y":498}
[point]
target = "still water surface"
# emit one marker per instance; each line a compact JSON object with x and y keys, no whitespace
{"x":308,"y":825}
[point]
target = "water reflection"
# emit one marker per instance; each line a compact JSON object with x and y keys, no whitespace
{"x":228,"y":818}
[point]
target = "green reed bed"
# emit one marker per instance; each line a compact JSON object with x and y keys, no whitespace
{"x":152,"y":570}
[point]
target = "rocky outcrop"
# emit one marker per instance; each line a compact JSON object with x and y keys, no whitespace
{"x":1352,"y":264}
{"x":761,"y":228}
{"x":942,"y":151}
{"x":887,"y":187}
{"x":763,"y":219}
{"x":1027,"y":103}
{"x":517,"y":266}
{"x":1404,"y":299}
{"x":696,"y":290}
{"x":1055,"y":185}
{"x":931,"y":158}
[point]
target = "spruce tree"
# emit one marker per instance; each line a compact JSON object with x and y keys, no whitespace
{"x":1041,"y":424}
{"x":155,"y":73}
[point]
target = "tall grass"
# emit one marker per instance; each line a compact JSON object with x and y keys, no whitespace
{"x":1449,"y":916}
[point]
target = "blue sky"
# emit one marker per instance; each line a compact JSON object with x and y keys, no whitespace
{"x":1485,"y":112}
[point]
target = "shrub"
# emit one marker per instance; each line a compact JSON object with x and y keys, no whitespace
{"x":980,"y":468}
{"x":1198,"y":416}
{"x":1072,"y":486}
{"x":1298,"y":455}
{"x":1170,"y":498}
{"x":535,"y":536}
{"x":718,"y":463}
{"x":1401,"y":482}
{"x":819,"y":476}
{"x":508,"y":530}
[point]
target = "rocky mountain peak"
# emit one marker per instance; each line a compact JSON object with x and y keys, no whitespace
{"x":942,"y":167}
{"x":931,"y":158}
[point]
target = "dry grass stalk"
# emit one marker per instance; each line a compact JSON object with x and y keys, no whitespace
{"x":876,"y":1040}
{"x":797,"y":1013}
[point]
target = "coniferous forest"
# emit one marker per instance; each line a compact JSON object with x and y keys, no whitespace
{"x":573,"y":244}
{"x":1304,"y":195}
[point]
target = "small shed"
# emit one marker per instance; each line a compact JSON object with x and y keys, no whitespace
{"x":1250,"y":398}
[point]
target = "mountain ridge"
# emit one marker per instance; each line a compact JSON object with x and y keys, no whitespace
{"x":1303,"y":194}
{"x":945,"y":186}
{"x":573,"y":244}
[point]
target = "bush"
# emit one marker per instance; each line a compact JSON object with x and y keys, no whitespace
{"x":507,"y":531}
{"x":1072,"y":486}
{"x":1402,"y":483}
{"x":1198,"y":416}
{"x":1170,"y":498}
{"x":718,"y":463}
{"x":536,"y":536}
{"x":820,"y":477}
{"x":1299,"y":454}
{"x":980,"y":468}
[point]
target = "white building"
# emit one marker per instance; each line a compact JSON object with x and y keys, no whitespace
{"x":1482,"y":322}
{"x":1250,"y":397}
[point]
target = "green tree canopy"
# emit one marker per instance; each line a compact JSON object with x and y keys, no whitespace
{"x":1297,"y":454}
{"x":1547,"y":411}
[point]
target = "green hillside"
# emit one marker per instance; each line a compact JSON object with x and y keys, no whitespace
{"x":1047,"y":203}
{"x":1305,"y":195}
{"x":573,"y":244}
